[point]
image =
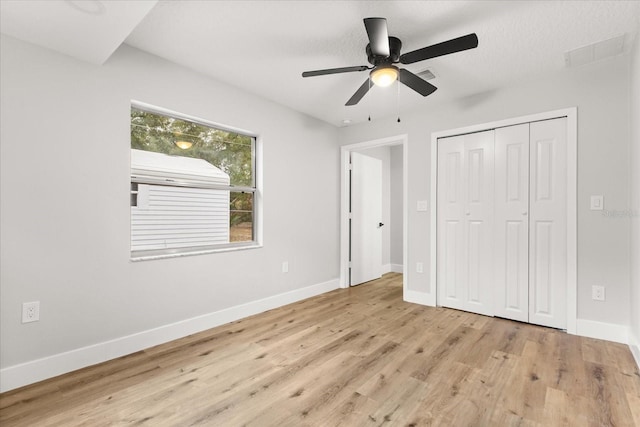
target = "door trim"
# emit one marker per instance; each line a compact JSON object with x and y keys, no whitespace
{"x":572,"y":162}
{"x":345,"y":152}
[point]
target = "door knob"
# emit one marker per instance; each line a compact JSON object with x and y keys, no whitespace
{"x":468,"y":213}
{"x":524,"y":213}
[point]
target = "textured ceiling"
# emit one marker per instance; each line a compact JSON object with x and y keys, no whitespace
{"x":263,"y":46}
{"x":90,"y":30}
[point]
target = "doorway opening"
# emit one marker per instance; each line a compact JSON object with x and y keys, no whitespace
{"x":390,"y":153}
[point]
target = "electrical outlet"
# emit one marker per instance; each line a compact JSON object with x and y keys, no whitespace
{"x":285,"y":266}
{"x":419,"y":267}
{"x":597,"y":293}
{"x":30,"y":311}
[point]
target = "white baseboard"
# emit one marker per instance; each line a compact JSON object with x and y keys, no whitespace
{"x":419,"y":298}
{"x":634,"y":346}
{"x":37,"y":370}
{"x":635,"y":351}
{"x":392,"y":268}
{"x":397,"y":268}
{"x":603,"y":331}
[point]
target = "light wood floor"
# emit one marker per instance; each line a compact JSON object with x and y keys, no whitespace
{"x":351,"y":357}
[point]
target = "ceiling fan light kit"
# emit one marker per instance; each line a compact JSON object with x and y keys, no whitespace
{"x":384,"y":51}
{"x":384,"y":76}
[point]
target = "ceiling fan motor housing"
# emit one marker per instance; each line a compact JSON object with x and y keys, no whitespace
{"x":395,"y":45}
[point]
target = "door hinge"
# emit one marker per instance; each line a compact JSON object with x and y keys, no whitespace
{"x":350,"y":215}
{"x":349,"y":264}
{"x":350,"y":166}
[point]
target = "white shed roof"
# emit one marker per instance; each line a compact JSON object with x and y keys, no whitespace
{"x":161,"y":166}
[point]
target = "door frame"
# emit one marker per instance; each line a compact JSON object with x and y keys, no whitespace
{"x":572,"y":162}
{"x":345,"y":154}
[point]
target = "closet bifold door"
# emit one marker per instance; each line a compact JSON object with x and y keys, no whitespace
{"x":511,"y":223}
{"x":450,"y":219}
{"x":548,"y":223}
{"x":465,"y":213}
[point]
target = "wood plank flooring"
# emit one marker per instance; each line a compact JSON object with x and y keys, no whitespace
{"x":351,"y":357}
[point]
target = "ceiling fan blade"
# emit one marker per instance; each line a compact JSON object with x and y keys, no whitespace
{"x":378,"y":36}
{"x":421,"y":86}
{"x":334,"y":71}
{"x":362,"y":91}
{"x":469,"y":41}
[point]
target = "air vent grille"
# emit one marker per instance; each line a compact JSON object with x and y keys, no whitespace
{"x":426,"y":74}
{"x":595,"y":52}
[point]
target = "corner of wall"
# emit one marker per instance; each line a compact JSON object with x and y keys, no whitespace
{"x":634,"y":346}
{"x":634,"y":199}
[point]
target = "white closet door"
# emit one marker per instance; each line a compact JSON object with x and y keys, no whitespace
{"x":511,"y":222}
{"x":465,"y":211}
{"x":479,"y":155}
{"x":451,"y":256}
{"x":548,"y":223}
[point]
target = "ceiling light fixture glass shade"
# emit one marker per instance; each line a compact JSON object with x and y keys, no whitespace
{"x":184,"y":144}
{"x":384,"y":76}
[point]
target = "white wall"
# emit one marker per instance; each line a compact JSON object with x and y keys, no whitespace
{"x":600,"y":91}
{"x":396,"y":219}
{"x":383,"y":154}
{"x":634,"y":175}
{"x":65,"y":202}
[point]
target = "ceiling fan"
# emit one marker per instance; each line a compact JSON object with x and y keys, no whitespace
{"x":384,"y":51}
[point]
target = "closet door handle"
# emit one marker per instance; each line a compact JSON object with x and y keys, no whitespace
{"x":524,"y":213}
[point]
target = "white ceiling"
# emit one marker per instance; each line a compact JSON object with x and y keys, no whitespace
{"x":263,"y":46}
{"x":90,"y":30}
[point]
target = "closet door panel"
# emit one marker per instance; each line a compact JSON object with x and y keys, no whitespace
{"x":479,"y":202}
{"x":450,"y":269}
{"x":511,"y":228}
{"x":548,"y":223}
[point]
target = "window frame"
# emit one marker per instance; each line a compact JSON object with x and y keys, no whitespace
{"x":256,"y":190}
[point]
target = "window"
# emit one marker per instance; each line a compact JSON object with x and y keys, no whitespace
{"x":193,"y":185}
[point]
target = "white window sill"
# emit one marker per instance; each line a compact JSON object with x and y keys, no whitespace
{"x":192,"y":253}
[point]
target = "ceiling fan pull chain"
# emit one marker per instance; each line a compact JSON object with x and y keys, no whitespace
{"x":398,"y":97}
{"x":369,"y":101}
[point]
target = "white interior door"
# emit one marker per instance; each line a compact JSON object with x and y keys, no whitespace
{"x":465,"y":213}
{"x":366,"y":217}
{"x":511,"y":222}
{"x":548,"y":223}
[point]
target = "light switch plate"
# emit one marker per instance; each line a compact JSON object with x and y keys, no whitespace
{"x":597,"y":203}
{"x":423,"y":205}
{"x":598,"y":293}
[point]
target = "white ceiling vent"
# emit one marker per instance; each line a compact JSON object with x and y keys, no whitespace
{"x":426,"y":74}
{"x":595,"y":52}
